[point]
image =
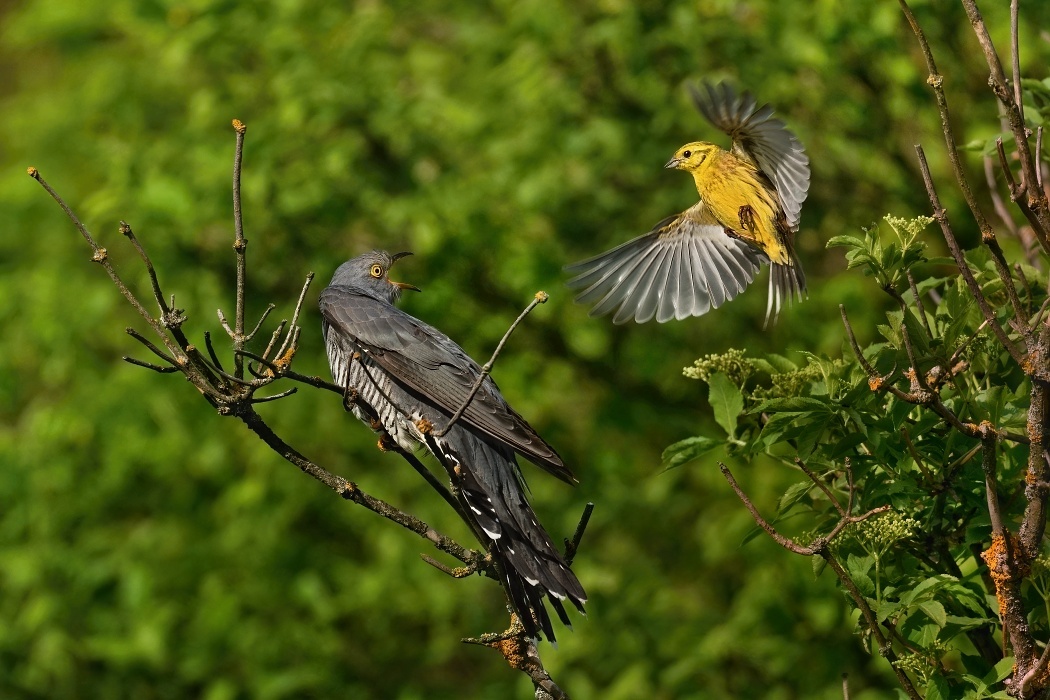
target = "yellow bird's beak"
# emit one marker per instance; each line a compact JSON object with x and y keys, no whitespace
{"x":673,"y":163}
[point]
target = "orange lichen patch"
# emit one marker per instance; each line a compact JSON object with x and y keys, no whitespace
{"x":1031,"y":478}
{"x":385,"y":444}
{"x":285,"y":360}
{"x":514,"y":652}
{"x":239,"y":126}
{"x":1002,"y":567}
{"x":424,"y":426}
{"x":874,"y":383}
{"x":32,"y":172}
{"x":1041,"y":680}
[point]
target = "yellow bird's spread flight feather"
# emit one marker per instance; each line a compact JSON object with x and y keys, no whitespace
{"x":748,"y":213}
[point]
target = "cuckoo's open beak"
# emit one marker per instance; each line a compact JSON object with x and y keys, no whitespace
{"x":673,"y":163}
{"x":402,"y":285}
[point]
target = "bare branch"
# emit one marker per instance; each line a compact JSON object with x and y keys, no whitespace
{"x":953,"y":245}
{"x":1036,"y":200}
{"x":239,"y":245}
{"x":540,"y":298}
{"x":885,"y":648}
{"x":989,"y":443}
{"x":1036,"y":489}
{"x":521,"y":653}
{"x":149,"y":365}
{"x":819,"y":545}
{"x":275,"y":397}
{"x":572,"y":546}
{"x":918,"y":304}
{"x":291,"y":341}
{"x":262,"y":319}
{"x":457,"y":572}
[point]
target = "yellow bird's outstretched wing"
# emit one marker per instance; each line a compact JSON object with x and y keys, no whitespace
{"x":757,"y":136}
{"x":684,"y":267}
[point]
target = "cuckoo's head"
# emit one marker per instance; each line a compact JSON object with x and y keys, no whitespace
{"x":369,"y":273}
{"x":692,"y":156}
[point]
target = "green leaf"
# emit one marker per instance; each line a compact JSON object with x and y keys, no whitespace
{"x":687,"y":450}
{"x":794,"y":494}
{"x":763,"y":365}
{"x":846,"y":445}
{"x":781,"y":363}
{"x":849,"y":241}
{"x":858,"y":566}
{"x":937,"y":689}
{"x":1001,"y":670}
{"x":794,"y":404}
{"x":935,"y":611}
{"x":726,"y":401}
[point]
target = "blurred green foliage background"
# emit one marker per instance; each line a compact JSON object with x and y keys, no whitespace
{"x":151,"y":549}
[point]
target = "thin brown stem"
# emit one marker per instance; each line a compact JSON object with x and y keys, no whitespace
{"x":149,"y":365}
{"x":539,"y":298}
{"x":275,"y":397}
{"x":919,"y":304}
{"x":262,"y":320}
{"x":521,"y":654}
{"x":821,"y":485}
{"x":989,"y":444}
{"x":239,"y":245}
{"x":819,"y":545}
{"x":1000,"y":206}
{"x":885,"y":648}
{"x":1036,"y":198}
{"x":956,"y":250}
{"x":572,"y":546}
{"x":1036,"y":487}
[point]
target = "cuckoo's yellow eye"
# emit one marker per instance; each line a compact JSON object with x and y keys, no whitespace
{"x":377,"y":271}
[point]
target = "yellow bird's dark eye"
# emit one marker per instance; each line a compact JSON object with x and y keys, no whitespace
{"x":686,"y":154}
{"x":377,"y":271}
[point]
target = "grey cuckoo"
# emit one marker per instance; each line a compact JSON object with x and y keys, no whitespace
{"x":412,"y":374}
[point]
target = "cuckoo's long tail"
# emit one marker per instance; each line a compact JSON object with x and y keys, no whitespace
{"x":530,"y":567}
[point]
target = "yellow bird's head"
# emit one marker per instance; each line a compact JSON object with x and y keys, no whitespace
{"x":692,"y":155}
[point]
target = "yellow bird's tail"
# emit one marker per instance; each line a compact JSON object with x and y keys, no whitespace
{"x":787,"y":282}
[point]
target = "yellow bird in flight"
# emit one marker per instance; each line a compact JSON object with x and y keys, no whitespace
{"x":749,"y":209}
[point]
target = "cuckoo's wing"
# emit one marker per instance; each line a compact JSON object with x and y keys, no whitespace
{"x":758,"y":136}
{"x":684,"y":267}
{"x":432,"y":366}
